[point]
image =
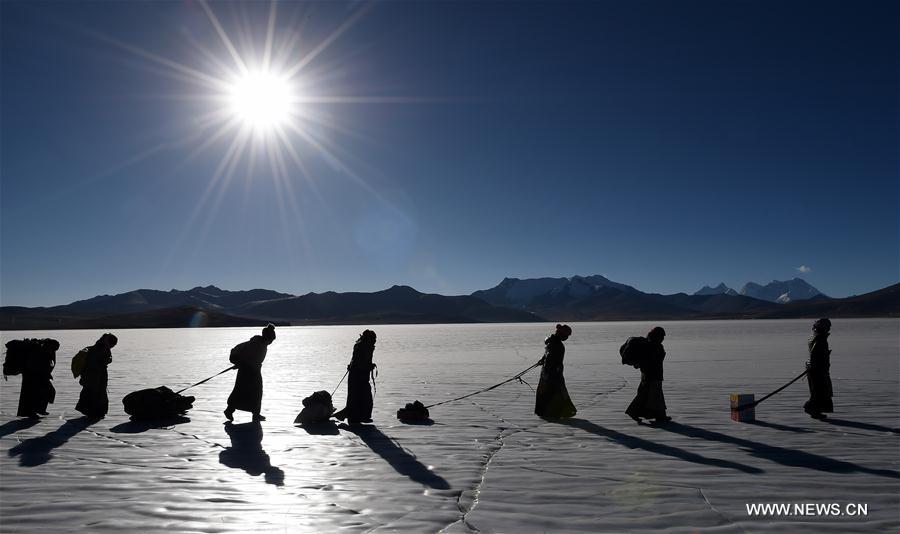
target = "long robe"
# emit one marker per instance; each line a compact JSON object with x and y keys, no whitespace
{"x":359,"y":391}
{"x":37,"y":383}
{"x":248,"y":385}
{"x":552,"y":398}
{"x":649,"y":402}
{"x":93,"y":400}
{"x":819,"y":376}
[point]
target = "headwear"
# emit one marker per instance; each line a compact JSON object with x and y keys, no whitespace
{"x":269,"y":331}
{"x":564,"y":329}
{"x":109,"y":339}
{"x":368,"y":335}
{"x":657,"y":332}
{"x":822,"y":325}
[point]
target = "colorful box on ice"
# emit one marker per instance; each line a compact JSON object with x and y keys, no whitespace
{"x":746,"y":415}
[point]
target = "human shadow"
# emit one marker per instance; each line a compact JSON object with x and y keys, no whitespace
{"x":246,"y":452}
{"x":38,"y":451}
{"x":633,"y":442}
{"x":136,"y":426}
{"x":776,"y":426}
{"x":399,"y":458}
{"x":11,"y":427}
{"x":324,"y":428}
{"x":779,"y":455}
{"x":862,"y":426}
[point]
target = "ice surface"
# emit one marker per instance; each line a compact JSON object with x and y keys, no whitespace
{"x":486,"y":464}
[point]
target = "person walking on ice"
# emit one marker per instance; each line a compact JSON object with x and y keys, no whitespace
{"x":551,"y":397}
{"x":90,"y":365}
{"x":247,"y":358}
{"x":359,"y":391}
{"x":650,"y":403}
{"x":818,"y":373}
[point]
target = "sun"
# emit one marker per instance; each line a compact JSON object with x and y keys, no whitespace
{"x":263,"y":101}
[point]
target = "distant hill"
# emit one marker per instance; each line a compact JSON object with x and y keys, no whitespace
{"x":720,"y":289}
{"x":211,"y":306}
{"x":402,"y":302}
{"x":518,"y":293}
{"x":596,"y":298}
{"x":204,"y":298}
{"x":781,"y":292}
{"x":608,"y":304}
{"x":720,"y":304}
{"x":578,"y":298}
{"x":881,"y":303}
{"x":178,"y":317}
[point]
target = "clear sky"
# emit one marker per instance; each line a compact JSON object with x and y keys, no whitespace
{"x":446,"y":145}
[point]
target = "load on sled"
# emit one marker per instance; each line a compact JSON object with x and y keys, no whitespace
{"x":156,"y":403}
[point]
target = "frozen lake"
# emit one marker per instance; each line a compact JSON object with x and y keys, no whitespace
{"x":487,"y":464}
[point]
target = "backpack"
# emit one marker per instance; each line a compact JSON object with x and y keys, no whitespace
{"x":239,"y":354}
{"x":633,"y":351}
{"x":17,"y":351}
{"x":79,"y":361}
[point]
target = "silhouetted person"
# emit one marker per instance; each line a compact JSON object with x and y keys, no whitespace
{"x":93,"y":401}
{"x":819,"y":371}
{"x":37,"y":379}
{"x":248,"y":385}
{"x":552,"y":398}
{"x":649,"y":402}
{"x":359,"y":392}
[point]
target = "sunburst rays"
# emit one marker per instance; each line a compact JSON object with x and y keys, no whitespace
{"x":261,"y":105}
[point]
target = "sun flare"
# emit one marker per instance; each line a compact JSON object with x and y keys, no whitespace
{"x":266,"y":98}
{"x":262,"y":100}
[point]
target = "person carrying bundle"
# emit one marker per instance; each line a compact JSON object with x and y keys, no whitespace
{"x":247,"y":358}
{"x":359,"y":392}
{"x":34,"y":359}
{"x":818,"y":373}
{"x":551,"y":397}
{"x":90,"y":365}
{"x":649,"y":402}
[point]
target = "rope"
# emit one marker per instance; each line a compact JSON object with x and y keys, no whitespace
{"x":516,"y":377}
{"x":341,"y":382}
{"x":206,"y":379}
{"x":752,"y":404}
{"x":521,"y":381}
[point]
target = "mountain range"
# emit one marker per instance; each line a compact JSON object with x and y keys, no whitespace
{"x":576,"y":298}
{"x":775,"y":291}
{"x":720,"y":289}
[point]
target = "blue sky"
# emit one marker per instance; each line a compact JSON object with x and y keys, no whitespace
{"x":666,"y":145}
